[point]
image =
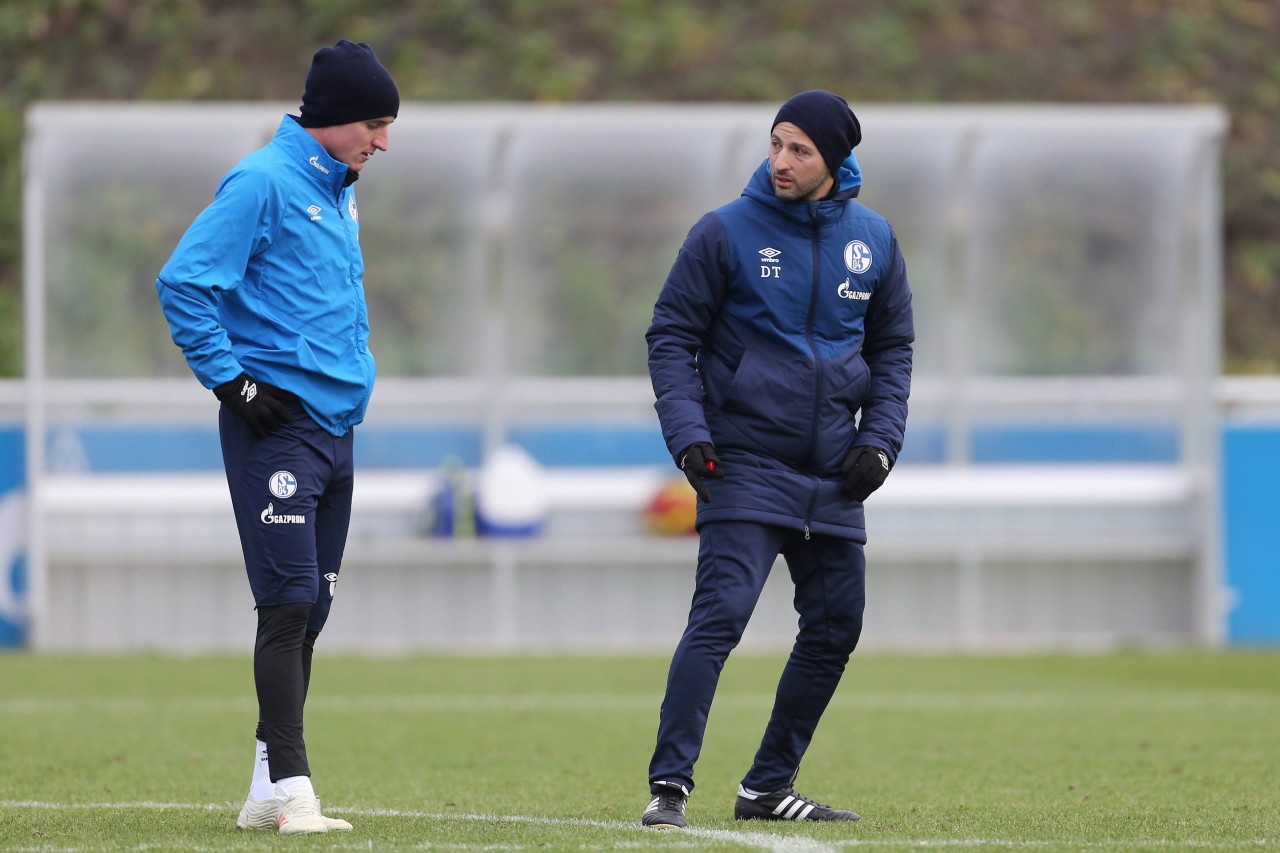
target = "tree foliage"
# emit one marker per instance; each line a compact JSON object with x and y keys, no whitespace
{"x":923,"y":51}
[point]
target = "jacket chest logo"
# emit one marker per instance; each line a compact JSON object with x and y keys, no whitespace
{"x":315,"y":211}
{"x":770,"y":263}
{"x":857,"y":260}
{"x":857,"y":257}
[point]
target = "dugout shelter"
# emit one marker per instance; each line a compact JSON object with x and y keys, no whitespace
{"x":1059,"y":483}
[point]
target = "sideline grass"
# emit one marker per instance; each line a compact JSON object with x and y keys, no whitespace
{"x":1129,"y":752}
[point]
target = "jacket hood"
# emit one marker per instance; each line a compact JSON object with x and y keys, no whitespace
{"x":849,"y":177}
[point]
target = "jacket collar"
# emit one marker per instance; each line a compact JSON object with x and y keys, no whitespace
{"x":312,"y":159}
{"x":850,"y":182}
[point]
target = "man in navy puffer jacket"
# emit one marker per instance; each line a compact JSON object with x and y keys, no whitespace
{"x":780,"y":354}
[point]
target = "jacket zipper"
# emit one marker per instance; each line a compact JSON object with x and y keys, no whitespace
{"x":810,"y":322}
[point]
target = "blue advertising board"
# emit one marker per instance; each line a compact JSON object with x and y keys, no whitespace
{"x":13,"y":575}
{"x":1251,"y":532}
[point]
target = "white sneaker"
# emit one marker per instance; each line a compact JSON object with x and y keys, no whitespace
{"x":259,"y":814}
{"x":300,"y":815}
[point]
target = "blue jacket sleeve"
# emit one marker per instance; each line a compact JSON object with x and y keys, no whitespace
{"x":211,"y":258}
{"x":686,"y":307}
{"x":886,"y":348}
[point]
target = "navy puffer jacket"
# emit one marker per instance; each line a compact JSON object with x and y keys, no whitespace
{"x":782,"y":336}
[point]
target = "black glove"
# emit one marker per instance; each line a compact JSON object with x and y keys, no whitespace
{"x":865,"y":469}
{"x":261,"y":405}
{"x":698,"y":461}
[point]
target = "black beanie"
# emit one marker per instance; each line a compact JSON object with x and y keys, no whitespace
{"x":827,"y":120}
{"x":346,"y":83}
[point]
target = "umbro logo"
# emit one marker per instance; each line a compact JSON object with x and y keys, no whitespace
{"x":314,"y":212}
{"x":770,"y":263}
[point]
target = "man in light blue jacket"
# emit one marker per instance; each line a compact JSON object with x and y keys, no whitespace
{"x":265,"y":296}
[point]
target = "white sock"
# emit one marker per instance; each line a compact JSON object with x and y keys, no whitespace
{"x":261,"y":788}
{"x":291,"y":785}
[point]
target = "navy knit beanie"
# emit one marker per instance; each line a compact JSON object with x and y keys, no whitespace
{"x":827,"y":120}
{"x":346,"y":83}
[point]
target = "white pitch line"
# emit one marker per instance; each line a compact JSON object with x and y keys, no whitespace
{"x":559,"y":702}
{"x":759,"y":840}
{"x":753,"y":839}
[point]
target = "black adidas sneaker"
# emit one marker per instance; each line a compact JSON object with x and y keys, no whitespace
{"x":666,"y":809}
{"x":784,"y":805}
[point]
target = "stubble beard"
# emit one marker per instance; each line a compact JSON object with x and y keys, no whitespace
{"x":798,"y":191}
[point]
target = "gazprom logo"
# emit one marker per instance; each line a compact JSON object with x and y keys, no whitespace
{"x":315,"y":161}
{"x":846,"y":291}
{"x":857,"y":257}
{"x":270,"y":516}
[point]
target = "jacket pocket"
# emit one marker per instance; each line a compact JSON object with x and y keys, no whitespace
{"x":729,"y":399}
{"x":848,"y":380}
{"x":774,"y":392}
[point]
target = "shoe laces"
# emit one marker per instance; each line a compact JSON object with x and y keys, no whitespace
{"x":671,"y":800}
{"x":305,"y":806}
{"x":814,"y":803}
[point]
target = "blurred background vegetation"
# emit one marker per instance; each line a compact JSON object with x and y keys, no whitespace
{"x":910,"y":51}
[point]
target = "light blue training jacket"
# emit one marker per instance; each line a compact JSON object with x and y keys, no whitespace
{"x":269,"y":281}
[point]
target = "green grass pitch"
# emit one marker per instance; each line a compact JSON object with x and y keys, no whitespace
{"x":1130,"y":751}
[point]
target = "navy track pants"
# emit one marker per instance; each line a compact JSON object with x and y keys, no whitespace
{"x":291,"y":491}
{"x":734,"y":559}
